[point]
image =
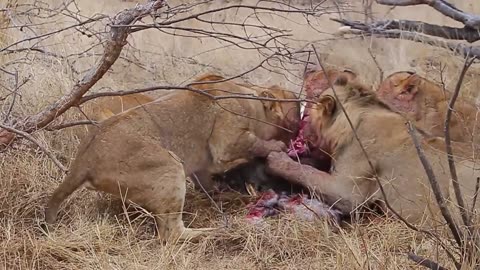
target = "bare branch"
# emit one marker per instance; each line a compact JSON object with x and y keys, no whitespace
{"x":211,"y":11}
{"x":442,"y":203}
{"x":425,"y":262}
{"x":401,"y":2}
{"x":186,"y":88}
{"x":448,"y":144}
{"x":32,"y":139}
{"x":71,"y":124}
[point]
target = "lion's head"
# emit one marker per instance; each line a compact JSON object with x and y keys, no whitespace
{"x":316,"y":80}
{"x":281,"y":113}
{"x":402,"y":89}
{"x":327,"y":119}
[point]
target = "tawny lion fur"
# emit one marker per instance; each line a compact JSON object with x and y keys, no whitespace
{"x":389,"y":147}
{"x":146,"y":152}
{"x":102,"y":108}
{"x":426,"y":103}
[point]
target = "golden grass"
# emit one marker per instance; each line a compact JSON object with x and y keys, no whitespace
{"x":93,"y":230}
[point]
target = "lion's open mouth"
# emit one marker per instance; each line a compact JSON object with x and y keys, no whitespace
{"x":316,"y":154}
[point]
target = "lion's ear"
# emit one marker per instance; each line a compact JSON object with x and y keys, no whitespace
{"x":410,"y":86}
{"x":341,"y":80}
{"x":268,"y":104}
{"x":329,"y":104}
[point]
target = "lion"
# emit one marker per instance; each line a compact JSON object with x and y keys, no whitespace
{"x":351,"y":183}
{"x":145,"y":153}
{"x":426,"y":103}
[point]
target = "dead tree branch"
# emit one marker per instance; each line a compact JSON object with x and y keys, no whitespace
{"x":358,"y":28}
{"x":116,"y":40}
{"x":442,"y":6}
{"x":421,"y":31}
{"x":187,"y":88}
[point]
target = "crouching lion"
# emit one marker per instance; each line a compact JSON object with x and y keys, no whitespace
{"x":145,"y":153}
{"x":426,"y":103}
{"x":390,"y":149}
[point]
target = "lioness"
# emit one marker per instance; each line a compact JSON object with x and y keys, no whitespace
{"x":145,"y":153}
{"x":390,"y":149}
{"x":425,"y":103}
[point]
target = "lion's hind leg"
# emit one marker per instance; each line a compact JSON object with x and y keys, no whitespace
{"x":167,"y":202}
{"x":155,"y":180}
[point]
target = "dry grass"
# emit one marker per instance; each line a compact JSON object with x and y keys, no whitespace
{"x":94,"y":231}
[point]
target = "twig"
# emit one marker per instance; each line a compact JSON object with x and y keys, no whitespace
{"x":54,"y":32}
{"x":425,"y":262}
{"x":374,"y":58}
{"x":202,"y":92}
{"x":303,"y":75}
{"x":474,"y":200}
{"x":14,"y":92}
{"x":442,"y":203}
{"x":448,"y":145}
{"x":71,"y":124}
{"x":30,"y":138}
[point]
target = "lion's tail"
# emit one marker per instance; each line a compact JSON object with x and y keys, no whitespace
{"x":74,"y":179}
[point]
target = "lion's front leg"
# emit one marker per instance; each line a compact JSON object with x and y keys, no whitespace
{"x":261,"y":148}
{"x":281,"y":164}
{"x":340,"y":191}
